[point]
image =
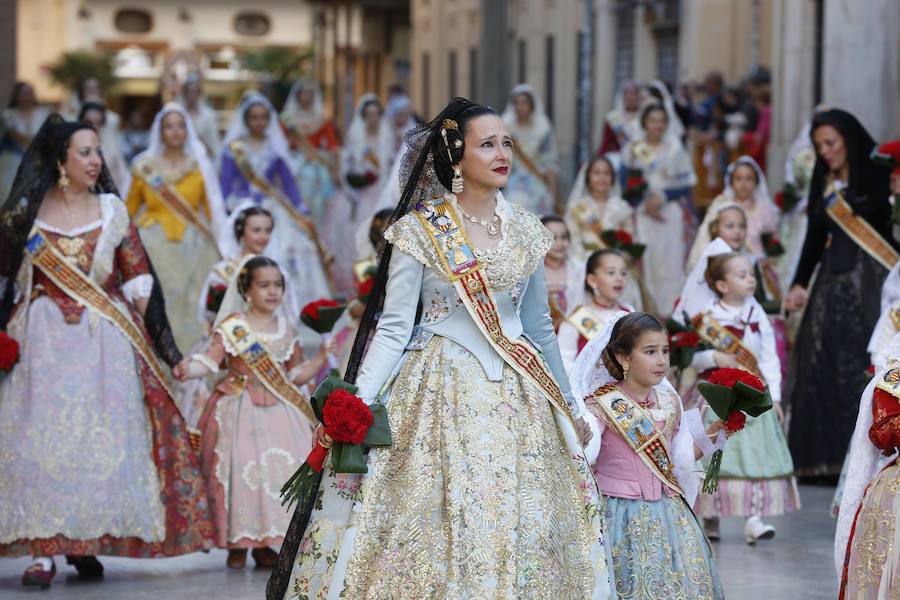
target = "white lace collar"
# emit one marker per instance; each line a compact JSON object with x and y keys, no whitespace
{"x":106,"y":214}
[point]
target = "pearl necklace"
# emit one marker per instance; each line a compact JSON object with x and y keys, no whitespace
{"x":492,"y":226}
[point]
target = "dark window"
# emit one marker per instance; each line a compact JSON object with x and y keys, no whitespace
{"x":453,"y":74}
{"x":550,"y":74}
{"x":132,"y":20}
{"x":252,"y":23}
{"x":624,"y":67}
{"x":426,"y":83}
{"x":473,"y":74}
{"x":523,"y":61}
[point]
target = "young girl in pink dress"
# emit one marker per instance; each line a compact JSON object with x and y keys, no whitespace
{"x":256,"y":425}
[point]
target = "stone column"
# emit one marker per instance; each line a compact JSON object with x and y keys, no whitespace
{"x":494,"y":53}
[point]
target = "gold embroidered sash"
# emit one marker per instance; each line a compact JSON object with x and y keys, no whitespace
{"x":239,"y":152}
{"x":87,"y":292}
{"x":173,"y":200}
{"x":458,"y":260}
{"x":257,"y":358}
{"x":585,"y":322}
{"x":859,"y":230}
{"x":720,"y":338}
{"x":635,"y":425}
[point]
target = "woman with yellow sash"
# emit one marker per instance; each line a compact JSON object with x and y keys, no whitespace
{"x":485,"y":492}
{"x":176,"y":203}
{"x":645,"y":462}
{"x":256,"y":425}
{"x":850,"y":239}
{"x":533,"y":177}
{"x":97,"y":458}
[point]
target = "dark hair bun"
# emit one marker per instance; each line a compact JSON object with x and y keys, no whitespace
{"x":449,"y":144}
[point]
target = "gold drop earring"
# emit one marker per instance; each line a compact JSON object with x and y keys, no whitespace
{"x":624,"y":371}
{"x":456,"y":186}
{"x":63,"y":181}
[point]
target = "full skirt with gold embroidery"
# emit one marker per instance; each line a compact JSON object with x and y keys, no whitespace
{"x":872,"y":566}
{"x":659,"y":551}
{"x":479,"y":497}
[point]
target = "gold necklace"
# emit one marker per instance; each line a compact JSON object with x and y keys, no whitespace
{"x":492,"y":226}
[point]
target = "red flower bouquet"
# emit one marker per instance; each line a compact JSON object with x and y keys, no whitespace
{"x":635,"y":186}
{"x":361,"y":180}
{"x":321,"y":315}
{"x":730,"y":394}
{"x":9,"y":353}
{"x":214,"y":297}
{"x":622,"y":240}
{"x":787,"y":198}
{"x":684,"y":342}
{"x":771,"y":244}
{"x":364,"y":286}
{"x":351,"y":423}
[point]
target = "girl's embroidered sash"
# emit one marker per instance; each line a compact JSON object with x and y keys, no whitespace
{"x":717,"y":335}
{"x":174,"y":201}
{"x":635,"y":425}
{"x":257,"y":358}
{"x":87,"y":292}
{"x":239,"y":152}
{"x":859,"y":230}
{"x":584,"y":321}
{"x":462,"y":268}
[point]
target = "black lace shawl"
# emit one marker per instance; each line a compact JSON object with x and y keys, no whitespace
{"x":36,"y":175}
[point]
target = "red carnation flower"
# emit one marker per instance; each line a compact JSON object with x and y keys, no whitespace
{"x":364,"y":289}
{"x":871,"y":371}
{"x":633,"y":181}
{"x":624,"y":237}
{"x":9,"y":352}
{"x":311,"y":310}
{"x":774,"y":241}
{"x":729,"y":377}
{"x":686,"y":339}
{"x":736,"y":421}
{"x":779,"y":200}
{"x":346,"y":417}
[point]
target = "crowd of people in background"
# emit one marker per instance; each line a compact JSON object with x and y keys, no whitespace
{"x":207,"y":239}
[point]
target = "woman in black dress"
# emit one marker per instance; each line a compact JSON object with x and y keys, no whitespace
{"x":830,"y":360}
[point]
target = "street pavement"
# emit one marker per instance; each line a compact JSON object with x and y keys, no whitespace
{"x":796,"y":565}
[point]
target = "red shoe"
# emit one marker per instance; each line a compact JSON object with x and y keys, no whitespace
{"x":35,"y":575}
{"x":88,"y":567}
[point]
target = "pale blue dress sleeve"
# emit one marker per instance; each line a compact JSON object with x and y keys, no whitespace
{"x":395,"y":325}
{"x":538,"y":326}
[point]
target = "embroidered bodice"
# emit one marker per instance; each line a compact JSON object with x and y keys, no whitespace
{"x":514,"y":270}
{"x":618,"y":469}
{"x":108,"y":250}
{"x":751,"y":324}
{"x":283,"y":345}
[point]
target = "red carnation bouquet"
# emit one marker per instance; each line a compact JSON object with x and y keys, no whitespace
{"x":365,"y":284}
{"x":787,"y":198}
{"x":320,"y":316}
{"x":635,"y":186}
{"x":361,"y":180}
{"x":620,"y":239}
{"x":684,"y":342}
{"x":771,"y":244}
{"x":351,"y":423}
{"x":9,"y":354}
{"x":214,"y":297}
{"x":732,"y":394}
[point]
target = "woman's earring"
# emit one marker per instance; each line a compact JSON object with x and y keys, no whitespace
{"x":625,"y":371}
{"x":63,"y":181}
{"x":595,"y":290}
{"x":456,"y":186}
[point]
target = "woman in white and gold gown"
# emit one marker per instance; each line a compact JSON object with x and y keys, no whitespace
{"x":485,"y":492}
